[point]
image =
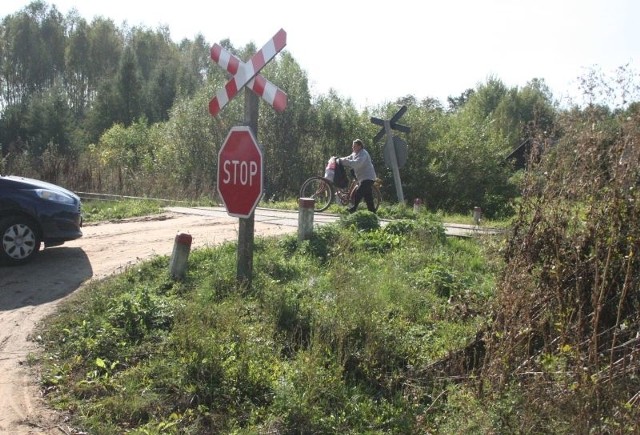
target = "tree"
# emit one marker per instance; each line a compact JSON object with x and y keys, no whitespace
{"x":195,"y":65}
{"x":456,"y":103}
{"x":537,"y":110}
{"x":78,"y":65}
{"x":31,"y":64}
{"x":124,"y":149}
{"x":106,"y":46}
{"x":191,"y":137}
{"x":128,"y":89}
{"x":160,"y":93}
{"x":467,"y":165}
{"x":428,"y":122}
{"x":158,"y":61}
{"x":285,"y":135}
{"x":48,"y":120}
{"x":32,"y":51}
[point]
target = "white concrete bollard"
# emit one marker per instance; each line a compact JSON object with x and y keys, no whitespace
{"x":305,"y":218}
{"x":417,"y":205}
{"x":477,"y":215}
{"x":180,"y":255}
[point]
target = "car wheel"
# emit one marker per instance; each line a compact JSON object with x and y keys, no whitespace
{"x":20,"y":240}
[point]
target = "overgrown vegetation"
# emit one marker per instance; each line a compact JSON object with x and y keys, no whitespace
{"x":336,"y":335}
{"x":565,"y":339}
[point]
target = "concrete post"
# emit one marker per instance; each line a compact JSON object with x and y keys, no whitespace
{"x":417,"y":205}
{"x":180,"y":255}
{"x":477,"y":215}
{"x":305,"y":218}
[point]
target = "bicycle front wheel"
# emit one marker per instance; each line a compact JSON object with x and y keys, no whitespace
{"x":319,"y":189}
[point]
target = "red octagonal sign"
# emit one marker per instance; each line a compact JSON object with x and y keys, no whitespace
{"x":240,"y":172}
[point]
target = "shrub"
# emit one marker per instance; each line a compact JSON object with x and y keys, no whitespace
{"x":361,"y":220}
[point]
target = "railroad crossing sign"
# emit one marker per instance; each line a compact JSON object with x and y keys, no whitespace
{"x":392,"y":124}
{"x":240,"y":172}
{"x":245,"y":72}
{"x":262,"y":87}
{"x":395,"y":149}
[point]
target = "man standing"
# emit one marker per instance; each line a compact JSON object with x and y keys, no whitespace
{"x":360,"y":161}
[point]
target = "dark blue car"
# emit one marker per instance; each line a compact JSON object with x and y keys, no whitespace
{"x":34,"y":212}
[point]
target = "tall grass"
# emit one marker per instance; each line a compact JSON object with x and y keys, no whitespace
{"x":567,"y":315}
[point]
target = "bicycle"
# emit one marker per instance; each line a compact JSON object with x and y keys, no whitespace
{"x":325,"y":192}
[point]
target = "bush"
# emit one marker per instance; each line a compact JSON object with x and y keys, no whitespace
{"x":360,"y":220}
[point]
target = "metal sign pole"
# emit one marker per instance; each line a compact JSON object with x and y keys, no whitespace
{"x":394,"y":162}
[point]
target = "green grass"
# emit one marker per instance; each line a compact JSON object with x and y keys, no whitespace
{"x":99,"y":210}
{"x":337,"y":334}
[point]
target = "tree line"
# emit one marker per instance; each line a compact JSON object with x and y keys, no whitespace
{"x":98,"y":107}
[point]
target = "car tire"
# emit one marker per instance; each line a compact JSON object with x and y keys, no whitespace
{"x":19,"y":240}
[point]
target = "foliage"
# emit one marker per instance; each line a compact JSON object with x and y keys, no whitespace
{"x":301,"y":351}
{"x":361,"y":221}
{"x":468,"y":160}
{"x":568,"y":300}
{"x":98,"y":108}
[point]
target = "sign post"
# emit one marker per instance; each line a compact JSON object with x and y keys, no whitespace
{"x":246,"y":226}
{"x":395,"y":151}
{"x":240,"y":177}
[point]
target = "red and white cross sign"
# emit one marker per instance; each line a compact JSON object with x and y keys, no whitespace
{"x":262,"y":87}
{"x":247,"y":71}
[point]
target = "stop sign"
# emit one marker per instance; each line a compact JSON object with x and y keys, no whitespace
{"x":240,"y":172}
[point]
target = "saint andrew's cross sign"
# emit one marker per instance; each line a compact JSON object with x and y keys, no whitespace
{"x":262,"y":87}
{"x":395,"y":149}
{"x":244,"y":73}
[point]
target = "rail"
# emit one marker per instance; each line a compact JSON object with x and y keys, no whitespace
{"x":113,"y":197}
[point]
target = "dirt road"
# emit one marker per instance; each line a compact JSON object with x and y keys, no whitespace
{"x":31,"y":292}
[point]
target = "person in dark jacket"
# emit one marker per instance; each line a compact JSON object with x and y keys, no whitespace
{"x":360,"y":161}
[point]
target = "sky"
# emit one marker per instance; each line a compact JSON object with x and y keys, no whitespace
{"x":375,"y":52}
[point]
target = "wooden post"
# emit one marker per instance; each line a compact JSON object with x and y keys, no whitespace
{"x":246,"y":226}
